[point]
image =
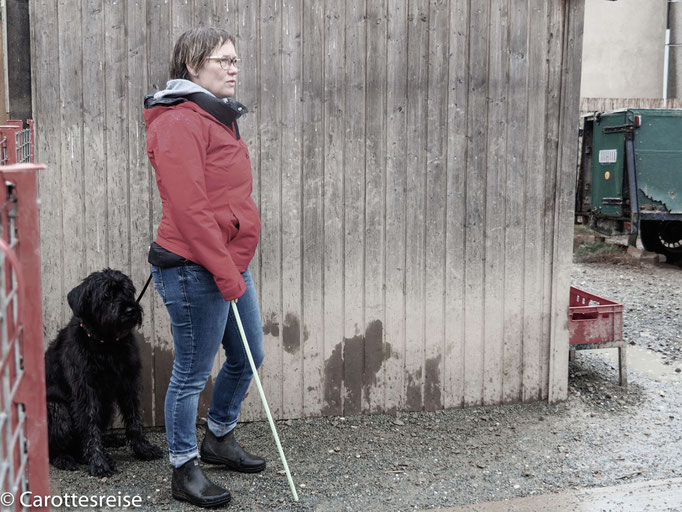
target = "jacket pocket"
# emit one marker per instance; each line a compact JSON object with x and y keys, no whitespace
{"x":231,"y":224}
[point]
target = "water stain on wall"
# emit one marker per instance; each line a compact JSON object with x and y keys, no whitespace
{"x":333,"y":378}
{"x":353,"y":367}
{"x":376,"y":352}
{"x":271,"y":325}
{"x":413,"y":392}
{"x":432,"y":395}
{"x":146,"y":378}
{"x":291,"y":334}
{"x":353,"y":356}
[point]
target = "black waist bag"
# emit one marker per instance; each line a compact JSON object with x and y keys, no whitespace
{"x":160,"y":257}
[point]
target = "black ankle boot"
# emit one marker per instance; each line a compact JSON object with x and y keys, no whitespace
{"x":190,"y":484}
{"x":226,"y":450}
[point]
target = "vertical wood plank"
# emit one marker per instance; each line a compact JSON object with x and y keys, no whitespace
{"x":94,"y":121}
{"x":534,"y":185}
{"x":458,"y":98}
{"x":292,"y":119}
{"x":517,"y":108}
{"x":396,"y":175}
{"x":563,"y":218}
{"x":182,"y":17}
{"x":271,"y":207}
{"x":45,"y":56}
{"x":224,"y":15}
{"x":436,"y":202}
{"x":202,"y":14}
{"x":141,"y":176}
{"x":354,"y":207}
{"x":552,"y":120}
{"x":417,"y":72}
{"x":477,"y":131}
{"x":332,"y":119}
{"x":376,"y":351}
{"x":248,"y":92}
{"x":116,"y":137}
{"x":159,"y":48}
{"x":72,"y":184}
{"x":498,"y":77}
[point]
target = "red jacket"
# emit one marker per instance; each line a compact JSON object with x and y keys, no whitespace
{"x":204,"y":177}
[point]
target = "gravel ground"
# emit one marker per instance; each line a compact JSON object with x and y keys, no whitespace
{"x":600,"y":436}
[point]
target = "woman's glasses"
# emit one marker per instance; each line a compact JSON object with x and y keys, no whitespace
{"x":226,"y":62}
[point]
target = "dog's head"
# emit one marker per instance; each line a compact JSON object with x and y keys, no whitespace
{"x":105,"y":301}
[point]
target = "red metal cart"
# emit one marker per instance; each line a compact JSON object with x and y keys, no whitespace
{"x":595,"y":322}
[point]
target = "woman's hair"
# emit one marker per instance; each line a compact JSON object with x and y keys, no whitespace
{"x":192,"y":48}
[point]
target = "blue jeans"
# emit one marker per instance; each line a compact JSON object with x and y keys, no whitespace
{"x":201,"y":320}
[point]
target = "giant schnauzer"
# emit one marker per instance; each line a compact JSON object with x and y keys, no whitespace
{"x":93,"y":364}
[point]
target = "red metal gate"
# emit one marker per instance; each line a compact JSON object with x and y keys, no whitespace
{"x":16,"y":142}
{"x":23,"y":415}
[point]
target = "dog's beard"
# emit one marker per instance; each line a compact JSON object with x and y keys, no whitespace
{"x":118,"y":320}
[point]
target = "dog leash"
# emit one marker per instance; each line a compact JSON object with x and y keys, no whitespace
{"x":145,"y":288}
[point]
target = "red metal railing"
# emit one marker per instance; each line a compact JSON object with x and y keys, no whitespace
{"x":23,"y":413}
{"x":16,"y":143}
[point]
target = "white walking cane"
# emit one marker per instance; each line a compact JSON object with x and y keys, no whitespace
{"x":263,"y":399}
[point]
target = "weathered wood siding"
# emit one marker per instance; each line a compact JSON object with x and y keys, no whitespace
{"x":413,"y":162}
{"x":588,"y":105}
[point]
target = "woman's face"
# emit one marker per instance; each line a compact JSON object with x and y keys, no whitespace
{"x":212,"y":77}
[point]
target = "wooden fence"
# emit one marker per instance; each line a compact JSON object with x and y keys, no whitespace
{"x":414,"y":168}
{"x":588,"y":105}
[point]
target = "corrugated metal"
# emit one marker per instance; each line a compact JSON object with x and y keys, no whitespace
{"x":413,"y":163}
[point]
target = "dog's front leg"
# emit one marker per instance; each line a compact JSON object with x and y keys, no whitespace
{"x":86,"y":415}
{"x":129,"y":405}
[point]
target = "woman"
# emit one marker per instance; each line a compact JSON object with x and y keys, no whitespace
{"x":207,"y":236}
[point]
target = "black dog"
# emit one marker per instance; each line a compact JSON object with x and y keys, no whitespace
{"x":93,"y":364}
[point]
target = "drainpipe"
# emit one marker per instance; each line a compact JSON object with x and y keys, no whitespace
{"x":666,"y":56}
{"x":3,"y":13}
{"x":672,"y":67}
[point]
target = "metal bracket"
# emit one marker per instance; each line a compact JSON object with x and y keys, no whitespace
{"x":623,"y":128}
{"x":632,"y":181}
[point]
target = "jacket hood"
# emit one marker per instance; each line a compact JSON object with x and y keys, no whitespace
{"x":225,"y":110}
{"x":154,"y":110}
{"x":179,"y":87}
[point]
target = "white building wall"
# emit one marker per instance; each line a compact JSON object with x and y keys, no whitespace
{"x":623,"y":49}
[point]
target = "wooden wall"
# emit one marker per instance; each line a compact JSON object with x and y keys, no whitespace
{"x":414,"y":166}
{"x":588,"y":105}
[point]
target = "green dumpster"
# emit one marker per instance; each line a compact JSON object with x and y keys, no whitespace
{"x":630,"y":177}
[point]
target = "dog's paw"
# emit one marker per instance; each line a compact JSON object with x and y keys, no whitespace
{"x":110,"y":461}
{"x":144,"y":450}
{"x":101,"y":466}
{"x":66,"y":462}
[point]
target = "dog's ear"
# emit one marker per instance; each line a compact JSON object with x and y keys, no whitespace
{"x":76,"y":299}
